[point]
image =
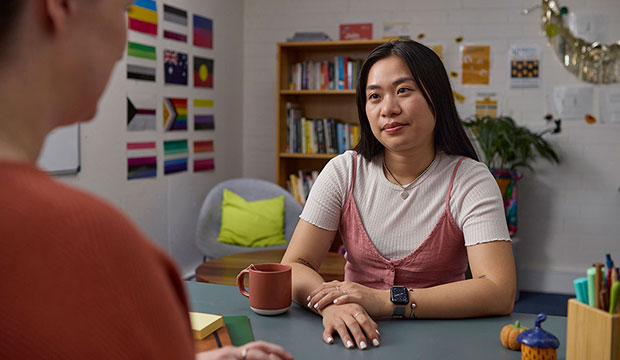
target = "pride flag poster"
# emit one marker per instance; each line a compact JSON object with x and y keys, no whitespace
{"x":141,"y":160}
{"x":203,"y":156}
{"x":175,"y":114}
{"x":175,"y":67}
{"x":203,"y":72}
{"x":143,"y":16}
{"x":175,"y":23}
{"x":203,"y":32}
{"x":203,"y":114}
{"x":175,"y":156}
{"x":141,"y":111}
{"x":141,"y":61}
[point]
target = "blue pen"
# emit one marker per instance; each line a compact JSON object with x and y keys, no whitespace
{"x":610,"y":268}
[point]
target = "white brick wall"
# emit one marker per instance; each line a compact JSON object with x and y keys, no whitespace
{"x":568,"y":213}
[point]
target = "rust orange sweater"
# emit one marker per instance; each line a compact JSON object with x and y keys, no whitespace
{"x":79,"y":281}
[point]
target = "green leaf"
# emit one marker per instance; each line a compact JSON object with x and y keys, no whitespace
{"x":504,"y":144}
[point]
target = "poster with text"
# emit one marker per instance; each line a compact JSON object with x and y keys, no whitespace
{"x":476,"y":64}
{"x":487,"y":104}
{"x":524,"y":66}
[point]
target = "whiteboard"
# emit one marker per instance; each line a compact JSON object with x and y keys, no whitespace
{"x":61,"y":151}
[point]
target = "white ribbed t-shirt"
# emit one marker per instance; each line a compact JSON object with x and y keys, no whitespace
{"x":397,"y":227}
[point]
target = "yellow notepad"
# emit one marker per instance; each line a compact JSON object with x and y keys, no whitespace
{"x":204,"y":324}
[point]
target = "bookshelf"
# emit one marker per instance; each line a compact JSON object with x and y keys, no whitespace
{"x":325,"y":103}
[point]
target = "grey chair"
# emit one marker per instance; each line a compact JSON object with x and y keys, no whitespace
{"x":210,"y":217}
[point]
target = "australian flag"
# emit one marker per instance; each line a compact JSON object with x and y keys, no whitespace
{"x":175,"y":67}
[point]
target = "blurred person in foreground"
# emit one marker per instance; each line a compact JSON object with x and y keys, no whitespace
{"x":78,"y":279}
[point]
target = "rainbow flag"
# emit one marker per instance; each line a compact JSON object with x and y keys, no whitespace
{"x":203,"y":32}
{"x":143,"y":16}
{"x":141,"y":160}
{"x":203,"y":72}
{"x":175,"y":114}
{"x":203,"y":114}
{"x":175,"y":156}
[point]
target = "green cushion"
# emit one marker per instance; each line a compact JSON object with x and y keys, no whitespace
{"x":252,"y":223}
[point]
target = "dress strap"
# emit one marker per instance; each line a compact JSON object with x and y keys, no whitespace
{"x":456,"y":168}
{"x":353,"y":174}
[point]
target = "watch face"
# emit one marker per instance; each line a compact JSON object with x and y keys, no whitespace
{"x":399,"y":295}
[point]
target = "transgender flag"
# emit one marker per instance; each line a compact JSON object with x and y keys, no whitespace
{"x":203,"y":32}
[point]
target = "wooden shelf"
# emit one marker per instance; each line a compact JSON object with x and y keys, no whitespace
{"x":334,"y":104}
{"x":330,"y":44}
{"x":318,"y":92}
{"x":306,"y":156}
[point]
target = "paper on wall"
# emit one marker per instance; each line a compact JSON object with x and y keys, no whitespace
{"x":571,"y":102}
{"x":487,"y":104}
{"x":592,"y":27}
{"x":397,"y":29}
{"x":524,"y":66}
{"x":476,"y":64}
{"x":610,"y":105}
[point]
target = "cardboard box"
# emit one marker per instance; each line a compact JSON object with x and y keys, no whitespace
{"x":591,"y":333}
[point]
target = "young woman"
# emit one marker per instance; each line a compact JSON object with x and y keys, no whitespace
{"x":413,"y":206}
{"x":78,"y":279}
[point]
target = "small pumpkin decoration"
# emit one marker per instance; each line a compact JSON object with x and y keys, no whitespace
{"x":509,"y":334}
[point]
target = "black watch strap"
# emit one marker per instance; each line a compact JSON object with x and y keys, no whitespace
{"x":399,"y":311}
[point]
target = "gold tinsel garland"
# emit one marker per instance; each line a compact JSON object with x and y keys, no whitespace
{"x":592,"y":62}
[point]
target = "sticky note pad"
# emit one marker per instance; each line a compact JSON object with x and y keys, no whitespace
{"x":204,"y":324}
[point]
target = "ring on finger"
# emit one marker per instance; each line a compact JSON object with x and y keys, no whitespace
{"x":356,"y":314}
{"x":244,"y":353}
{"x":344,"y":292}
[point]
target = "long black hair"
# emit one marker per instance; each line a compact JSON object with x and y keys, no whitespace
{"x":432,"y":80}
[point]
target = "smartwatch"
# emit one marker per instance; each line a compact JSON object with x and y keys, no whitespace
{"x":399,"y":295}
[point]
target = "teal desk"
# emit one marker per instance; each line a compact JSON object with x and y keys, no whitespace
{"x":300,"y":331}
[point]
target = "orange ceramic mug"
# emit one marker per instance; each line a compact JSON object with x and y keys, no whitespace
{"x":270,"y":288}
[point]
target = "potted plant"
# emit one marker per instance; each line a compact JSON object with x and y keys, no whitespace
{"x":507,"y":147}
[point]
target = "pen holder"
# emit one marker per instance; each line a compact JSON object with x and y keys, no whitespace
{"x":591,"y":333}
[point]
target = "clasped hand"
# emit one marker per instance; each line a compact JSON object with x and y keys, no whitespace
{"x":347,"y":308}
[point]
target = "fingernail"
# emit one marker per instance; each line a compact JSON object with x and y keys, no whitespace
{"x":375,"y":342}
{"x":335,"y":301}
{"x":363,"y":345}
{"x":330,"y":340}
{"x":308,"y":298}
{"x":378,"y":333}
{"x":309,"y":304}
{"x":349,"y":344}
{"x":316,"y":305}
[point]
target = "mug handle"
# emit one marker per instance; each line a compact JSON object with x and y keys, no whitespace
{"x":241,"y":279}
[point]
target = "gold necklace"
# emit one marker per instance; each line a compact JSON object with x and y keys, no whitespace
{"x":403,"y":194}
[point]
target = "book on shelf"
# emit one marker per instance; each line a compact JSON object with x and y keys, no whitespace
{"x":319,"y":135}
{"x":339,"y":74}
{"x":300,"y":184}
